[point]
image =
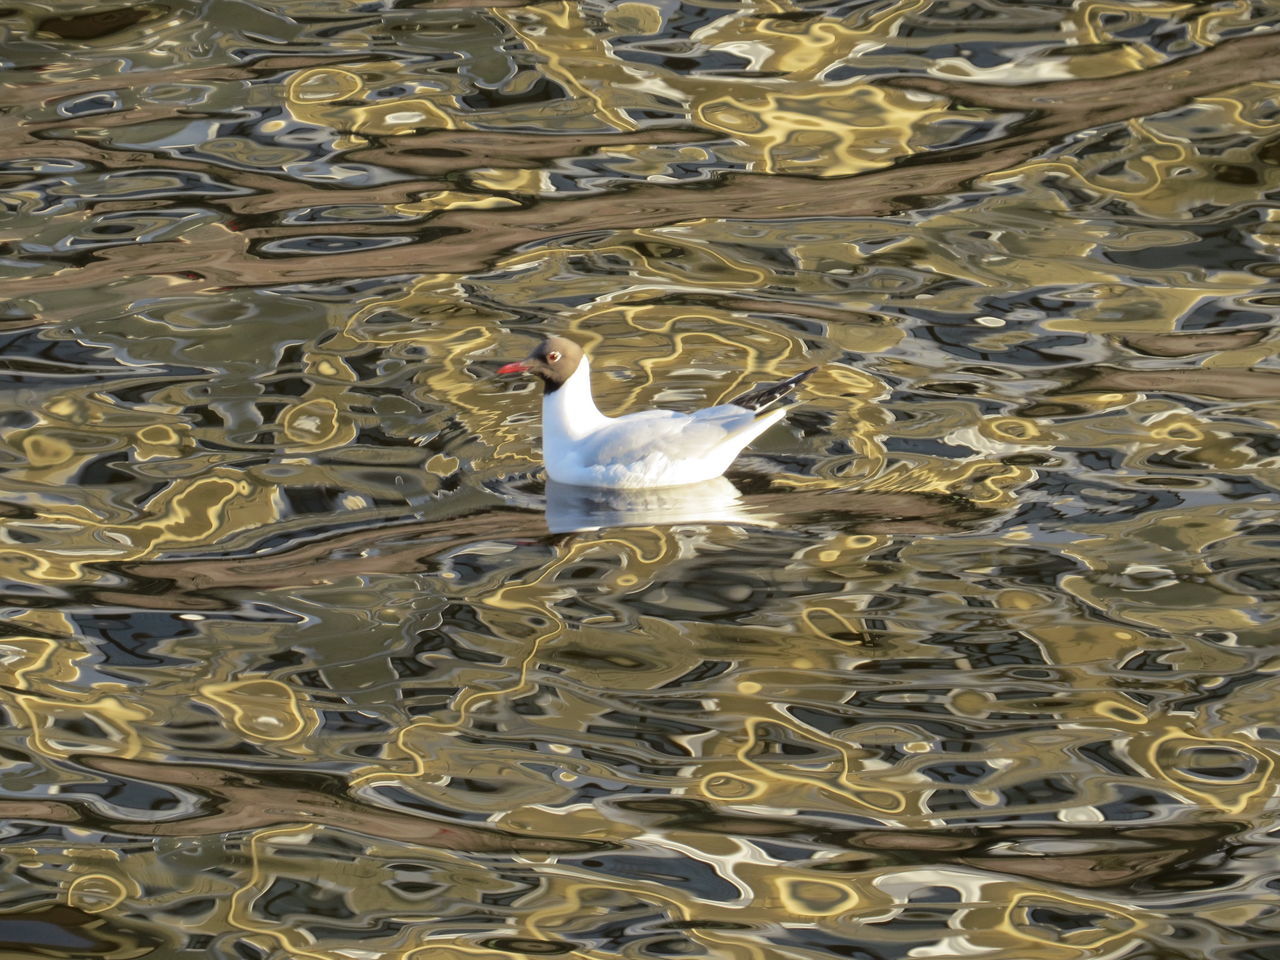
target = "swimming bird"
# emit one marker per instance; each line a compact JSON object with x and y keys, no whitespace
{"x":651,"y":448}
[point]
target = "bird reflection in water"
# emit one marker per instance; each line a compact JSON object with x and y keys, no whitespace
{"x":572,"y":508}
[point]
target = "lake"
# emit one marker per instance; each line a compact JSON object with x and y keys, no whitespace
{"x":302,"y":659}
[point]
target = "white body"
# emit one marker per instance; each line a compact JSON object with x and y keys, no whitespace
{"x":654,"y":448}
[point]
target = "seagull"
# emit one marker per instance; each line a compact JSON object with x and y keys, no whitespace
{"x":652,"y":448}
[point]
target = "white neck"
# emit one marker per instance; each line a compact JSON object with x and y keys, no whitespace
{"x":570,"y":413}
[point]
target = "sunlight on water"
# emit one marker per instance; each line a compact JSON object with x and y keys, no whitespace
{"x":971,"y":656}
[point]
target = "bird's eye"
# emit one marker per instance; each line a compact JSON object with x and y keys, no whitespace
{"x":553,"y":357}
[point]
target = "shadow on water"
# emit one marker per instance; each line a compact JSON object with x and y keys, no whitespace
{"x":530,"y":510}
{"x":571,"y":508}
{"x":823,"y":511}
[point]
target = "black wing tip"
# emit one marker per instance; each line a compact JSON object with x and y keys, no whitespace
{"x":758,"y":398}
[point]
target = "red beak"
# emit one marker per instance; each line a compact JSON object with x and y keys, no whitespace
{"x":519,"y":366}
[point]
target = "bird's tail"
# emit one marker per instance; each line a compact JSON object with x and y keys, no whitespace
{"x":757,"y":398}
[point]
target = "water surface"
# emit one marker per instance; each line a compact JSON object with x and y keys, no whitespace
{"x":294,"y":665}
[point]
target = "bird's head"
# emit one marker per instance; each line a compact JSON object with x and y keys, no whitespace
{"x":553,"y":361}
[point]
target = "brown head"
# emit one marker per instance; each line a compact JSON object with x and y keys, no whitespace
{"x":553,"y":361}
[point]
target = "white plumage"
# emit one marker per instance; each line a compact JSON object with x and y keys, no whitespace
{"x":652,"y":448}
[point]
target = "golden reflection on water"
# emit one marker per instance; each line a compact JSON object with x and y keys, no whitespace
{"x":302,"y":660}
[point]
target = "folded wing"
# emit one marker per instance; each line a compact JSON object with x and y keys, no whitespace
{"x":709,"y":434}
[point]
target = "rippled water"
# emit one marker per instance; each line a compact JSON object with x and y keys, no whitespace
{"x":981,"y":665}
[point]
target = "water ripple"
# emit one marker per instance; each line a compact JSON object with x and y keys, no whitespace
{"x":304,"y":659}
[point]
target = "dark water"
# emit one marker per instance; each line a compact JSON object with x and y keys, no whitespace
{"x":980,"y":665}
